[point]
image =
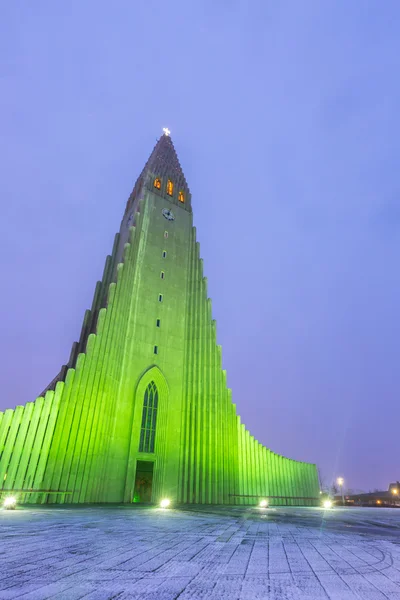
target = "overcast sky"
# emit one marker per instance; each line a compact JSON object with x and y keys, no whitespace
{"x":285,"y":117}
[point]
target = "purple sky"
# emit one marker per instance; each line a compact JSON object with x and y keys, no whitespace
{"x":285,"y":118}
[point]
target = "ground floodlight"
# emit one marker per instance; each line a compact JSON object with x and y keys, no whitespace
{"x":10,"y":502}
{"x":165,"y":503}
{"x":263,"y":504}
{"x":327,"y":503}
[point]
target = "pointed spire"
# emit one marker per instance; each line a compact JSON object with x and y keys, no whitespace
{"x":164,"y":161}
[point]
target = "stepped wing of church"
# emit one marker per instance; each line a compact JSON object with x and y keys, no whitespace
{"x":142,"y":411}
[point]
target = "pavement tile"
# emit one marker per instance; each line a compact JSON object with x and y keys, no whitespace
{"x":214,"y":553}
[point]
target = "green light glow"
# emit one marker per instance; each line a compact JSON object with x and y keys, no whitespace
{"x":83,"y":434}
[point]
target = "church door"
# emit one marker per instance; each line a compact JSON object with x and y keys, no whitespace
{"x":143,"y":481}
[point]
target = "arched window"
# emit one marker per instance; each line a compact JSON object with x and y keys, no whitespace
{"x":149,"y":418}
{"x":170,"y":188}
{"x":181,"y":197}
{"x":157,"y":183}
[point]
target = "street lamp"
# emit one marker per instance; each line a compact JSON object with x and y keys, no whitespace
{"x":340,"y":482}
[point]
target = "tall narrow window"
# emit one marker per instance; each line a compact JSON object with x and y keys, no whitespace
{"x":181,"y":197}
{"x":160,"y":298}
{"x":157,"y":183}
{"x":158,"y":323}
{"x":162,"y":275}
{"x":149,"y":418}
{"x":155,"y":349}
{"x":165,"y":234}
{"x":164,"y":254}
{"x":170,"y":188}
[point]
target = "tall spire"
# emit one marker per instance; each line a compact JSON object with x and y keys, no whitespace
{"x":164,"y":161}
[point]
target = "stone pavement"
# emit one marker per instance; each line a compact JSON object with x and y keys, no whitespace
{"x":101,"y":553}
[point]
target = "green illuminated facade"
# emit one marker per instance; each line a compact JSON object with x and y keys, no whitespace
{"x":142,"y":411}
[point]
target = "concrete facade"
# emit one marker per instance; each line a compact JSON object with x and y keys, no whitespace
{"x":149,"y":335}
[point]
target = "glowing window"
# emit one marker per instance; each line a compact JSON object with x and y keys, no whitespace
{"x":170,"y":188}
{"x":181,"y":197}
{"x":162,"y":274}
{"x":149,"y":417}
{"x":157,"y":183}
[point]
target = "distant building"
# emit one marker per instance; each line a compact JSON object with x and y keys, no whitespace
{"x":391,"y":497}
{"x":394,"y":488}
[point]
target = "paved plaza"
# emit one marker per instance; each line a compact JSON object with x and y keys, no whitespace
{"x":101,"y":553}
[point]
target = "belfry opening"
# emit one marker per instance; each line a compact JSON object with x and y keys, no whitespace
{"x":109,"y":428}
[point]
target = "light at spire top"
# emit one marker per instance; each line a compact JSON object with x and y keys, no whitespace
{"x":166,"y":131}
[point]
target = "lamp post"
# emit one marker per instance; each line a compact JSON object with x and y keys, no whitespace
{"x":340,"y":482}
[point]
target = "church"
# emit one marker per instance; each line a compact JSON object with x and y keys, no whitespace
{"x":141,"y":411}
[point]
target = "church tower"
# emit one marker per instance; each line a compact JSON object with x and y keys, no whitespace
{"x":142,"y":411}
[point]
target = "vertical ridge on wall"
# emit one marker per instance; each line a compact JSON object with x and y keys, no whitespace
{"x":221,"y":461}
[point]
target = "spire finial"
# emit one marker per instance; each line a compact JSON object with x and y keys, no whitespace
{"x":166,"y":131}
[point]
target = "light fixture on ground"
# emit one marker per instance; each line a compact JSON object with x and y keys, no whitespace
{"x":327,"y":504}
{"x":263,"y":504}
{"x":165,"y":503}
{"x":10,"y":503}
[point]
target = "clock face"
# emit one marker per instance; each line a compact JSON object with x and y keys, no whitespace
{"x":168,"y":214}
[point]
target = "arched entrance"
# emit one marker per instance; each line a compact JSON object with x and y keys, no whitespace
{"x":147,"y":448}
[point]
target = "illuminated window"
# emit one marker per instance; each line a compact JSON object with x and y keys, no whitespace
{"x":158,"y":322}
{"x":164,"y":254}
{"x":149,"y":417}
{"x":181,"y":197}
{"x":165,"y":234}
{"x":170,"y":188}
{"x":162,"y":274}
{"x":157,"y":183}
{"x":160,"y":298}
{"x":155,"y":349}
